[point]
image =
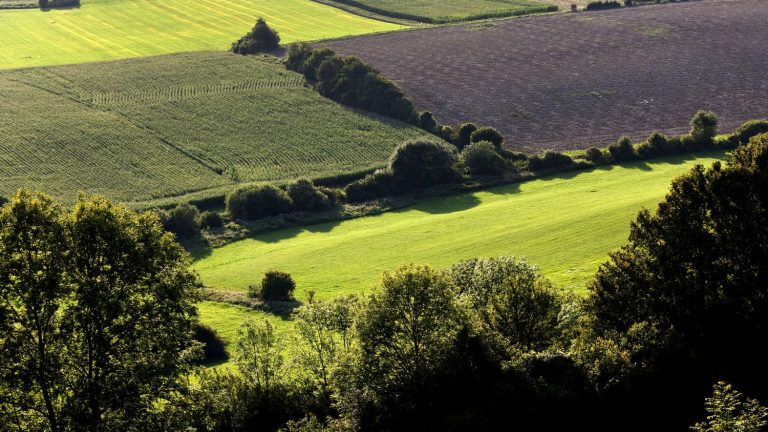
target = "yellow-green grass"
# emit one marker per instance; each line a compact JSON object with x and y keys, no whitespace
{"x":444,"y":11}
{"x":117,"y":29}
{"x":566,"y":224}
{"x":147,"y":129}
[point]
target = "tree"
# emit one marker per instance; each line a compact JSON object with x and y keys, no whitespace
{"x":277,"y":285}
{"x":422,"y":163}
{"x":427,"y":121}
{"x":698,"y":270}
{"x":727,"y":411}
{"x":622,"y":150}
{"x":258,"y":355}
{"x":97,"y":310}
{"x":305,"y":196}
{"x":487,"y":133}
{"x":704,"y":127}
{"x":406,"y":329}
{"x":257,"y":202}
{"x":483,"y":159}
{"x":260,"y":38}
{"x":465,"y":134}
{"x":183,"y":220}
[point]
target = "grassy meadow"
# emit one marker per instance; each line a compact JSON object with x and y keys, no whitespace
{"x":443,"y":11}
{"x":117,"y":29}
{"x":566,"y":224}
{"x":146,"y":129}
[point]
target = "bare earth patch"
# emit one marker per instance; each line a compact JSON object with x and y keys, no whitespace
{"x":572,"y":80}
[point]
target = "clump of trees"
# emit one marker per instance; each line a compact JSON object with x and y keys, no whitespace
{"x":602,"y":5}
{"x":256,"y":202}
{"x":351,"y":82}
{"x":261,"y":38}
{"x":96,"y":316}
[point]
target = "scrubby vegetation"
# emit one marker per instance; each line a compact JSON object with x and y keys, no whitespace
{"x":436,"y":12}
{"x":260,"y":38}
{"x":602,"y":5}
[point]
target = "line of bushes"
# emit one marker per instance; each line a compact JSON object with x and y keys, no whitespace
{"x":349,"y":81}
{"x":444,"y":20}
{"x":602,"y":5}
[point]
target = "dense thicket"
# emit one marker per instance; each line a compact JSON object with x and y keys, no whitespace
{"x":260,"y":38}
{"x":351,"y":82}
{"x":257,"y":202}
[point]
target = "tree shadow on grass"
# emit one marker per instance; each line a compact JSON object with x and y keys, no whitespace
{"x":446,"y":204}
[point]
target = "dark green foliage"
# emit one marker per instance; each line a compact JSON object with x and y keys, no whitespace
{"x":728,"y":409}
{"x":550,"y":160}
{"x":482,"y":159}
{"x":214,"y":348}
{"x":448,"y":133}
{"x":3,"y":200}
{"x":210,"y":219}
{"x":335,"y":196}
{"x":656,"y":145}
{"x":487,"y":133}
{"x":465,"y":134}
{"x":622,"y":150}
{"x":373,"y":186}
{"x":602,"y":5}
{"x":260,"y":38}
{"x":595,"y":155}
{"x":306,"y":197}
{"x":256,"y":202}
{"x":183,"y":220}
{"x":748,"y":130}
{"x":697,"y":269}
{"x":427,"y":121}
{"x":52,"y":4}
{"x":351,"y":82}
{"x":422,"y":163}
{"x":277,"y":285}
{"x":703,"y":128}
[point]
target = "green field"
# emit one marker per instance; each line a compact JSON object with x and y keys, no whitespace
{"x":566,"y":224}
{"x":443,"y":11}
{"x":117,"y":29}
{"x":145,"y":129}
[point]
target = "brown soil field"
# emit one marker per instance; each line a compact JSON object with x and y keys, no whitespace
{"x":572,"y":80}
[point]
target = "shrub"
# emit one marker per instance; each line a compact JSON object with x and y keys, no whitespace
{"x":482,"y":159}
{"x":703,"y":128}
{"x":465,"y":134}
{"x":210,"y":219}
{"x":656,"y":145}
{"x":307,"y":197}
{"x":602,"y":5}
{"x":277,"y":285}
{"x":213,"y":345}
{"x":448,"y":133}
{"x":550,"y":160}
{"x":297,"y":56}
{"x":335,"y":196}
{"x":3,"y":200}
{"x":748,"y":130}
{"x":427,"y":121}
{"x":183,"y":220}
{"x":487,"y":133}
{"x":260,"y":38}
{"x":256,"y":202}
{"x":595,"y":155}
{"x":622,"y":150}
{"x":377,"y":185}
{"x":422,"y":163}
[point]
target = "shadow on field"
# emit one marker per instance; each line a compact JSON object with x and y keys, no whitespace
{"x":446,"y":204}
{"x":287,"y":233}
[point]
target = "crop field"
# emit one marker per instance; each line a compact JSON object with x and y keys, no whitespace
{"x":116,"y":29}
{"x":566,"y":224}
{"x":443,"y":11}
{"x":145,"y":129}
{"x":572,"y":80}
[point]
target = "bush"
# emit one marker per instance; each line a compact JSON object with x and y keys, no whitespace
{"x":183,"y":220}
{"x":297,"y":55}
{"x":377,"y":185}
{"x":257,"y":202}
{"x":210,"y":219}
{"x":482,"y":159}
{"x":448,"y":133}
{"x":260,"y":38}
{"x":487,"y":133}
{"x":550,"y":160}
{"x":213,"y":345}
{"x":622,"y":150}
{"x":748,"y":130}
{"x":422,"y":163}
{"x":277,"y":285}
{"x":602,"y":5}
{"x":427,"y":121}
{"x":703,"y":128}
{"x":335,"y":196}
{"x":656,"y":145}
{"x":465,"y":134}
{"x":307,"y":197}
{"x":595,"y":155}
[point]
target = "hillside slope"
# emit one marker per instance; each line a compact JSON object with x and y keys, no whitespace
{"x":144,"y":129}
